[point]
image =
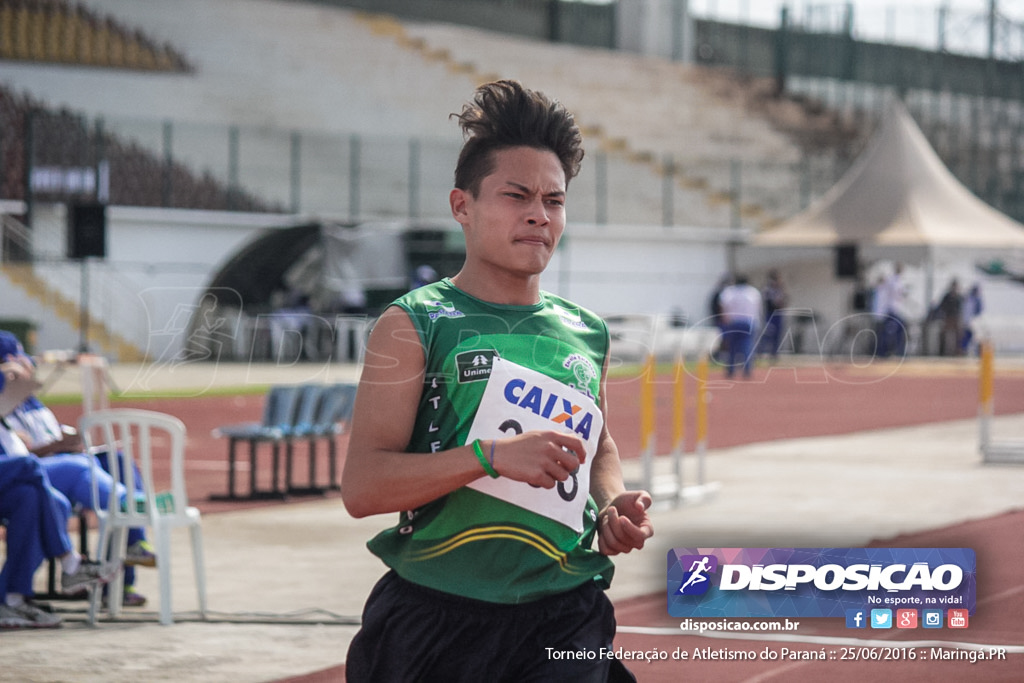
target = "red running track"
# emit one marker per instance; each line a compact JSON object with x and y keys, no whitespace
{"x":779,"y":403}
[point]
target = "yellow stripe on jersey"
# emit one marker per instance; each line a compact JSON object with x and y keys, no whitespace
{"x":495,"y":532}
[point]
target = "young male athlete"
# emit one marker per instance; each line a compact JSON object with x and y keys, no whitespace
{"x":480,"y":418}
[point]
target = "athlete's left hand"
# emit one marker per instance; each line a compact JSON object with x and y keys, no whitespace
{"x":623,"y":525}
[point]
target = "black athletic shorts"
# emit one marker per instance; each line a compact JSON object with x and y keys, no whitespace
{"x":410,"y":633}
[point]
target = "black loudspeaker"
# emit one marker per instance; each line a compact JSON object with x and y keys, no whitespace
{"x":846,"y":261}
{"x":87,"y":230}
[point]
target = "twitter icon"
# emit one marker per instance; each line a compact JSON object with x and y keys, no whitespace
{"x":881,"y":618}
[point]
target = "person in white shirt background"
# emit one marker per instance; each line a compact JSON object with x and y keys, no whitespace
{"x":887,"y":306}
{"x":741,"y":305}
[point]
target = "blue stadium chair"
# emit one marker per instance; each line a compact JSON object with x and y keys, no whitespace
{"x":307,"y":404}
{"x":334,"y":412}
{"x":279,"y":412}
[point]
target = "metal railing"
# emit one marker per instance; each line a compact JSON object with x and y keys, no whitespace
{"x":356,"y":176}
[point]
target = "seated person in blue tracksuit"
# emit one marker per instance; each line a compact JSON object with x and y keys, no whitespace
{"x":36,"y":517}
{"x":38,"y":431}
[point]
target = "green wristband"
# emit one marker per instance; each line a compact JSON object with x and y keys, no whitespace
{"x":488,"y":468}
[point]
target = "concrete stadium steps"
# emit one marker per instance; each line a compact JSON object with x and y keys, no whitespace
{"x":292,"y":65}
{"x":640,"y":108}
{"x":635,"y":180}
{"x":24,"y":277}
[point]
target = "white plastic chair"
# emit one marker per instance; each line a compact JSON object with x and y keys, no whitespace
{"x":136,"y":433}
{"x":96,"y":382}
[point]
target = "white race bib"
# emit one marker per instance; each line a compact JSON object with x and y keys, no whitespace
{"x":517,"y":400}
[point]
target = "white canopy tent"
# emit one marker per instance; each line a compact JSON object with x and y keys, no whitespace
{"x":898,"y":194}
{"x":897,"y":203}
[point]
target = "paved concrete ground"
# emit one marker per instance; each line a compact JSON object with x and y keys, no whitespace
{"x":286,"y":582}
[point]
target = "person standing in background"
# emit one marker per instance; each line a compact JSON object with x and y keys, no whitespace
{"x":950,"y":311}
{"x":741,"y":312}
{"x":721,"y":353}
{"x":971,"y":309}
{"x":775,"y":301}
{"x":889,"y":300}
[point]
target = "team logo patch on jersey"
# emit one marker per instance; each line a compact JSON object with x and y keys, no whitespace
{"x":583,"y":370}
{"x":475,"y":366}
{"x":442,"y":309}
{"x":570,"y":318}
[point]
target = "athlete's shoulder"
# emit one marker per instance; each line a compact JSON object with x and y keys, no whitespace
{"x":436,"y":299}
{"x":572,"y":313}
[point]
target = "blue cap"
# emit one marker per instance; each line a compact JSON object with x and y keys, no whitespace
{"x":9,"y":345}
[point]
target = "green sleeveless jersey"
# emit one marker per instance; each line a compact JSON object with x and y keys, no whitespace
{"x":474,"y":542}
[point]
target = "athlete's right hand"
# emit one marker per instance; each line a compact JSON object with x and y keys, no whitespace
{"x":541,"y":458}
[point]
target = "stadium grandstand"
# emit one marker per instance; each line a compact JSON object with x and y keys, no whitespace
{"x":57,"y":140}
{"x":699,"y":129}
{"x":54,"y":31}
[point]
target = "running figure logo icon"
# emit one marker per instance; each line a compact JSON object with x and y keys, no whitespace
{"x":696,"y":580}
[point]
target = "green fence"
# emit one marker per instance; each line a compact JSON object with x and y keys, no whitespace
{"x":792,"y":51}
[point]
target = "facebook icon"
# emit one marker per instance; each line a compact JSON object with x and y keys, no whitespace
{"x":856,"y":618}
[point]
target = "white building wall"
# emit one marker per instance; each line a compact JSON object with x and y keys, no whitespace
{"x":639,"y":269}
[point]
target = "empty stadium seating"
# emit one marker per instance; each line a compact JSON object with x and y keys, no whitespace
{"x":138,"y":177}
{"x":56,"y":31}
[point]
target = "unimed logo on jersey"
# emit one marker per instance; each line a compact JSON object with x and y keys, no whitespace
{"x":475,"y":366}
{"x":822,"y":582}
